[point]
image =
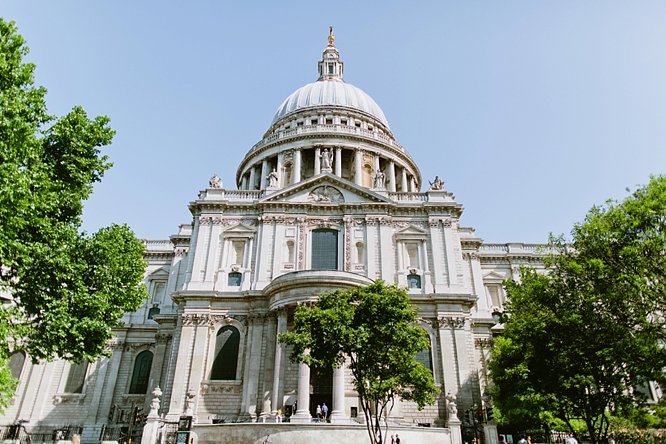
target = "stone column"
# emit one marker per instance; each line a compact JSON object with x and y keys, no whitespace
{"x":317,"y":160}
{"x":297,"y":165}
{"x":391,"y":176}
{"x":303,"y":414}
{"x":277,"y":369}
{"x":183,"y":362}
{"x":252,"y":178}
{"x":338,"y":412}
{"x":243,"y":184}
{"x":404,"y":180}
{"x":338,"y":161}
{"x":358,"y":160}
{"x":264,"y":173}
{"x":253,"y":363}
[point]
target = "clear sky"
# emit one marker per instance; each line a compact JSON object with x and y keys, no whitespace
{"x":530,"y":111}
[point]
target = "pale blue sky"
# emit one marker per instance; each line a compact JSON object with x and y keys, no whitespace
{"x":531,"y":111}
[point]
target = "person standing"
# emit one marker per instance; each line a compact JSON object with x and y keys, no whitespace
{"x":324,"y":411}
{"x":392,"y":439}
{"x":397,"y":439}
{"x":318,"y":413}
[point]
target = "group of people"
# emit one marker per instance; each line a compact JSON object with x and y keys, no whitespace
{"x":322,"y":412}
{"x":395,"y":439}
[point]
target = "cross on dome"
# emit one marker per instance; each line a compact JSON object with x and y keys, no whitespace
{"x":330,"y":66}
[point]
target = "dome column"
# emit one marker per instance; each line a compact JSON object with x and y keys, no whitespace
{"x":297,"y":165}
{"x":338,"y":413}
{"x":391,"y":176}
{"x":404,"y":180}
{"x":252,"y":178}
{"x":338,"y":161}
{"x":264,"y":174}
{"x":358,"y":177}
{"x":317,"y":162}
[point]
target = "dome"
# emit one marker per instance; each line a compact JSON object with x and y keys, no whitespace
{"x":330,"y":93}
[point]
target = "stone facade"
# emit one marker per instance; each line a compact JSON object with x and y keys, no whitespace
{"x":327,"y":199}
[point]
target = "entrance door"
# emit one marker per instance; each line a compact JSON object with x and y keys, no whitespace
{"x":322,"y":390}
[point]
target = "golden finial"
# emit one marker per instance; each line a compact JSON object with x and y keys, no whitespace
{"x":331,"y":37}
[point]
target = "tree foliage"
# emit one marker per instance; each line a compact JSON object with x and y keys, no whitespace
{"x":579,"y":339}
{"x":373,"y":329}
{"x":68,"y":289}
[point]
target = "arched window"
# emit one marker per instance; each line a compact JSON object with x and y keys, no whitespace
{"x":425,"y":357}
{"x":324,"y":249}
{"x":76,"y":377}
{"x":16,"y":362}
{"x":234,"y":279}
{"x":413,"y":281}
{"x":141,"y":373}
{"x":226,"y":354}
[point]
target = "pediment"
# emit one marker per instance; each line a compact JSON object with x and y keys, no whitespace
{"x":239,"y":230}
{"x":411,"y":231}
{"x":325,"y":189}
{"x":494,"y":276}
{"x":159,"y":273}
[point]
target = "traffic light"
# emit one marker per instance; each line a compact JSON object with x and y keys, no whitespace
{"x":489,"y":413}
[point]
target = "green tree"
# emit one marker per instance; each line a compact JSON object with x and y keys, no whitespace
{"x":374,"y":330}
{"x":67,"y":289}
{"x":579,"y":339}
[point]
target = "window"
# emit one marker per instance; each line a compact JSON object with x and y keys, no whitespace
{"x":314,"y":122}
{"x":329,"y":121}
{"x":412,"y":250}
{"x":425,"y":358}
{"x":141,"y":373}
{"x":16,"y":362}
{"x":154,"y":310}
{"x":343,"y":121}
{"x":495,"y":297}
{"x":414,"y":281}
{"x":299,"y":124}
{"x":76,"y":377}
{"x":357,"y":124}
{"x":330,"y":68}
{"x":226,"y":354}
{"x":238,"y":252}
{"x":234,"y":279}
{"x":324,"y":249}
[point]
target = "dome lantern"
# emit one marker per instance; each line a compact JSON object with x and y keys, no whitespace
{"x":330,"y":66}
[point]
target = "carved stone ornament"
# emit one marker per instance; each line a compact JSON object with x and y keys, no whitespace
{"x":215,"y":182}
{"x":214,"y":387}
{"x":209,"y":319}
{"x":180,"y":252}
{"x":163,"y":338}
{"x":455,"y":322}
{"x":483,"y":342}
{"x":325,"y":194}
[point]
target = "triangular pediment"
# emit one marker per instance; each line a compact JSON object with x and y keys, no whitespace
{"x":494,"y":276}
{"x":411,"y":231}
{"x":325,"y":189}
{"x":239,"y":229}
{"x":159,"y":273}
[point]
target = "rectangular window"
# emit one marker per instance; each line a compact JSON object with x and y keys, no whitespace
{"x":238,"y":252}
{"x":76,"y":377}
{"x":329,"y":121}
{"x":412,"y":250}
{"x":330,"y":68}
{"x":343,"y":121}
{"x":324,"y":250}
{"x":314,"y":122}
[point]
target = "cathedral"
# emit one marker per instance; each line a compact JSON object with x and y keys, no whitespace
{"x":327,"y":199}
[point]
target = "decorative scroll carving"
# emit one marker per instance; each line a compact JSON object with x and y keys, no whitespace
{"x":180,"y":252}
{"x":455,"y":322}
{"x":324,"y":222}
{"x":472,"y":255}
{"x":301,"y":243}
{"x":326,"y":194}
{"x":447,"y":223}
